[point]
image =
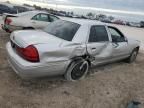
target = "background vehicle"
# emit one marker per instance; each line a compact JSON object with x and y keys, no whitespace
{"x":142,"y":24}
{"x":133,"y":24}
{"x":6,"y":9}
{"x":27,"y":20}
{"x":120,"y":22}
{"x":21,"y":9}
{"x":68,"y":47}
{"x":106,"y":20}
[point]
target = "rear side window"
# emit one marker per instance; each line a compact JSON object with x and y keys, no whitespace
{"x":62,"y":29}
{"x":53,"y":18}
{"x":98,"y":34}
{"x":41,"y":17}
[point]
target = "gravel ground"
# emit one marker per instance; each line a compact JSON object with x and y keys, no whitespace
{"x":108,"y":86}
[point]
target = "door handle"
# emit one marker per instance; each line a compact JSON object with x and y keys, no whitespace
{"x":93,"y":48}
{"x":34,"y":22}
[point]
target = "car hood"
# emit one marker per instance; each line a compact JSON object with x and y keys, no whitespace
{"x":25,"y":38}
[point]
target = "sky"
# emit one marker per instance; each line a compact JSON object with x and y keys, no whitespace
{"x":131,"y":5}
{"x":127,"y":9}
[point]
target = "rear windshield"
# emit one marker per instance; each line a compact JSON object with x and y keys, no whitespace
{"x":62,"y":29}
{"x":24,"y":13}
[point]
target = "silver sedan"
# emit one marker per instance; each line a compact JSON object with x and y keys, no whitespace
{"x":69,"y":48}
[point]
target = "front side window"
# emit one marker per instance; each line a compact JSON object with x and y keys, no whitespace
{"x":41,"y":17}
{"x":62,"y":29}
{"x":116,"y":35}
{"x":98,"y":34}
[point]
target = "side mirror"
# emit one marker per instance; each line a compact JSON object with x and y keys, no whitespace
{"x":115,"y":44}
{"x":114,"y":40}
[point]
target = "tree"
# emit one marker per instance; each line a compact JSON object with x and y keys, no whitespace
{"x":111,"y":17}
{"x":102,"y":16}
{"x":27,"y":5}
{"x":72,"y":13}
{"x":142,"y":23}
{"x":37,"y":7}
{"x":90,"y":15}
{"x":8,"y":2}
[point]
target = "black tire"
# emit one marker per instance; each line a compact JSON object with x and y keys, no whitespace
{"x":133,"y":56}
{"x":77,"y":70}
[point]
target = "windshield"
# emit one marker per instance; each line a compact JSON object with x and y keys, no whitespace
{"x":62,"y":29}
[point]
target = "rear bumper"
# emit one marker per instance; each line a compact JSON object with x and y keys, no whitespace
{"x":10,"y":28}
{"x":26,"y":69}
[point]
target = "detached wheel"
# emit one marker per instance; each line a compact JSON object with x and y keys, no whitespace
{"x":77,"y":70}
{"x":133,"y":56}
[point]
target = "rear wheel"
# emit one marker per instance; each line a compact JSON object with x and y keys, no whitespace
{"x":77,"y":70}
{"x":133,"y":56}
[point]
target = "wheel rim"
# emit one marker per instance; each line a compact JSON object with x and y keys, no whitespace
{"x":79,"y":70}
{"x":133,"y":56}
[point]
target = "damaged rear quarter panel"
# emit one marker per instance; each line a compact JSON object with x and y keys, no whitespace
{"x":59,"y":54}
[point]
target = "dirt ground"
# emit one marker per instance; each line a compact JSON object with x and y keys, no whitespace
{"x":109,"y":86}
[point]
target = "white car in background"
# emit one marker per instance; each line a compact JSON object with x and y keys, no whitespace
{"x":27,"y":20}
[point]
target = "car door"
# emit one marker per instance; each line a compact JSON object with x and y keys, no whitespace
{"x":99,"y":47}
{"x":120,"y":43}
{"x":40,"y":21}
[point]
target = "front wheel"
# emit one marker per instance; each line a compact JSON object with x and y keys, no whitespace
{"x":77,"y":70}
{"x":133,"y":56}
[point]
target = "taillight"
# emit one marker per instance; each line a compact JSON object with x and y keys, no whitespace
{"x":29,"y":53}
{"x":8,"y":21}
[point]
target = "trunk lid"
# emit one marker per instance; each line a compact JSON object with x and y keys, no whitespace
{"x":33,"y":37}
{"x":5,"y":15}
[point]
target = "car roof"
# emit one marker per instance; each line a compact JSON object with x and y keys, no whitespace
{"x":35,"y":12}
{"x":31,"y":13}
{"x":84,"y":21}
